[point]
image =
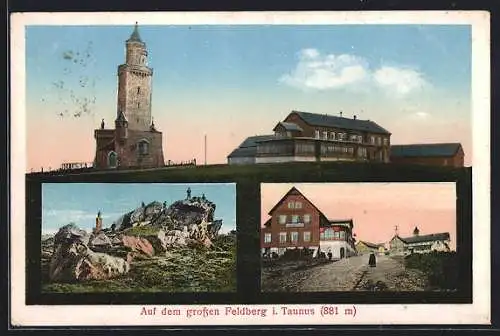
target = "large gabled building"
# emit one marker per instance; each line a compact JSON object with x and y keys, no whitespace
{"x":305,"y":136}
{"x":297,"y":223}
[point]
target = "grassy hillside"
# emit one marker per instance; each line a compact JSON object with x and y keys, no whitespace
{"x":304,"y":171}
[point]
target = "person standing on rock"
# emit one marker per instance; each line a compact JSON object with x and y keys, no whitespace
{"x":188,"y":193}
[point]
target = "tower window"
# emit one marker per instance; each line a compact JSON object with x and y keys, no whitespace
{"x":143,"y":147}
{"x":138,"y":105}
{"x":138,"y":90}
{"x":112,"y":159}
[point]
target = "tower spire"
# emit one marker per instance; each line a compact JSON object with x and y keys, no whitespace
{"x":135,"y":37}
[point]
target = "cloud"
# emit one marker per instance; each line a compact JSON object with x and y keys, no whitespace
{"x":324,"y":72}
{"x":399,"y":81}
{"x":422,"y":115}
{"x":315,"y":71}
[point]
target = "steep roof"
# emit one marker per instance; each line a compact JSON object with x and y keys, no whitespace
{"x":341,"y":221}
{"x":370,"y":245}
{"x":248,"y":148}
{"x":121,"y":117}
{"x":425,"y":150}
{"x":427,"y":238}
{"x":135,"y":37}
{"x":325,"y":120}
{"x":289,"y":126}
{"x":294,"y":190}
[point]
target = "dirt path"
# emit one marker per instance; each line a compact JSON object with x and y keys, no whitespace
{"x":351,"y":274}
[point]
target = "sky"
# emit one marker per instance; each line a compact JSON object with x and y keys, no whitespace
{"x":229,"y":82}
{"x":79,"y":203}
{"x":377,"y":208}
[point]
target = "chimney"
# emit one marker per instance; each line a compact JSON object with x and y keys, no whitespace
{"x":355,"y":117}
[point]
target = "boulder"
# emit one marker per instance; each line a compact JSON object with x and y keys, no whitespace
{"x":100,"y":266}
{"x":152,"y":210}
{"x":123,"y":222}
{"x":70,"y":233}
{"x":138,"y":244}
{"x":100,"y":240}
{"x":214,"y":228}
{"x":172,"y":238}
{"x":73,"y":260}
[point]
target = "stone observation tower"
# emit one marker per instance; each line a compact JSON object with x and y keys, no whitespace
{"x":135,"y":141}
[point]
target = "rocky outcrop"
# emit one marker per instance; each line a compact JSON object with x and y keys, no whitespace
{"x":72,"y":258}
{"x":149,"y":230}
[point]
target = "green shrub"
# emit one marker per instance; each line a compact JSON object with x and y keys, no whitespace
{"x":145,"y":230}
{"x":441,"y":268}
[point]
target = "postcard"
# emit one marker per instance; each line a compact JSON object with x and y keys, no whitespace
{"x":153,"y":154}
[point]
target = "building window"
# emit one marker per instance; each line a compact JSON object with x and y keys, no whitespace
{"x":307,"y":218}
{"x":328,"y":234}
{"x":354,"y":137}
{"x":372,"y":140}
{"x":386,"y":141}
{"x":298,"y":205}
{"x":360,"y":139}
{"x":332,"y":135}
{"x":282,"y":219}
{"x":267,"y":238}
{"x":138,"y":105}
{"x":336,"y":234}
{"x":379,"y":141}
{"x":316,"y":134}
{"x":295,"y":219}
{"x":289,"y":134}
{"x":282,"y":237}
{"x":291,"y":205}
{"x":294,"y":237}
{"x":307,"y":236}
{"x":342,"y":234}
{"x":362,"y":152}
{"x":138,"y":90}
{"x":325,"y":135}
{"x":143,"y":147}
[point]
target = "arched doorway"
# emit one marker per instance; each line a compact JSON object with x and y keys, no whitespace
{"x":112,"y":159}
{"x":342,"y":253}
